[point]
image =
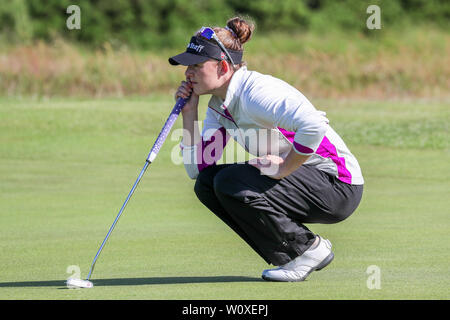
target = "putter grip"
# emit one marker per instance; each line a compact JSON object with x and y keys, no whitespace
{"x":166,"y":129}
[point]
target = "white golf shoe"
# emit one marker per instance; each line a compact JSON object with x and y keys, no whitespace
{"x":299,"y":268}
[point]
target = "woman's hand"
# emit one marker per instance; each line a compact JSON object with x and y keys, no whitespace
{"x":269,"y":165}
{"x":185,"y":91}
{"x":277,"y":167}
{"x":191,"y":133}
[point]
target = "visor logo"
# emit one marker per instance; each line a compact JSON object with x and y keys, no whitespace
{"x":196,"y":47}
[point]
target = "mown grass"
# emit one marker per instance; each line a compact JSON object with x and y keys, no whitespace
{"x":66,"y":165}
{"x":396,"y":124}
{"x":412,"y":62}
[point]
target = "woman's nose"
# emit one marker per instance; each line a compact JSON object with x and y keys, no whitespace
{"x":188,"y":71}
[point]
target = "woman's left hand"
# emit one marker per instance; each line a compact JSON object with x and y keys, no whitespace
{"x":277,"y":167}
{"x":269,"y":165}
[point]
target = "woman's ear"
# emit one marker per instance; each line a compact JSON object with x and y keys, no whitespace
{"x":224,"y":66}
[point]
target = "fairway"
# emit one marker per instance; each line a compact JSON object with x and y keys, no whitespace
{"x":67,"y":165}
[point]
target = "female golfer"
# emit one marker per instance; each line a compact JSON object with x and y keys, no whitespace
{"x":302,"y":173}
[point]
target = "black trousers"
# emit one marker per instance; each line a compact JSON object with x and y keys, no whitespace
{"x":270,"y":214}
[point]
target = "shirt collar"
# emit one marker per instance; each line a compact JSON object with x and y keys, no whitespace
{"x":234,"y":87}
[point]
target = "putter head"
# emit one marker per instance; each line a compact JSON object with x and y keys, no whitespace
{"x":78,"y":283}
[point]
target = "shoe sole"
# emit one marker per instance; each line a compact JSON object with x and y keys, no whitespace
{"x":325,"y":262}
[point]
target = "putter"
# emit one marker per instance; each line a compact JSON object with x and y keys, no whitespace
{"x":79,"y":283}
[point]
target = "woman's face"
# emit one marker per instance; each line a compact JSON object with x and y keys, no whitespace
{"x":205,"y":77}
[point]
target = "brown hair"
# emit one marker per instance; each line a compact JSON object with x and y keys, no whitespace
{"x":240,"y":30}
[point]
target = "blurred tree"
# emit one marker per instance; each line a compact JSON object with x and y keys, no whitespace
{"x":15,"y":23}
{"x":156,"y":23}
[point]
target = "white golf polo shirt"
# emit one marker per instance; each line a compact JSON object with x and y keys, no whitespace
{"x":266,"y":115}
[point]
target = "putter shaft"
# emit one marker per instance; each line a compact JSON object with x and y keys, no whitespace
{"x":117,"y":218}
{"x":151,"y":156}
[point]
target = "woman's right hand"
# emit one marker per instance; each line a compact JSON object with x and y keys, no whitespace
{"x":185,"y":91}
